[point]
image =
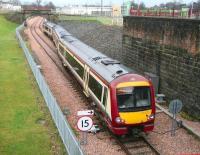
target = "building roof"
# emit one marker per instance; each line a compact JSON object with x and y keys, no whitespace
{"x":32,"y":7}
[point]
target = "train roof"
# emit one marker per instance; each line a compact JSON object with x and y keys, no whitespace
{"x":60,"y":31}
{"x":106,"y":67}
{"x":49,"y":24}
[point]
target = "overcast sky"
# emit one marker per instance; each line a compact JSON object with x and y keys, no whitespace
{"x":105,"y":2}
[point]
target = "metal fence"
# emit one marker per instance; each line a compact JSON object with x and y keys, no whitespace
{"x":175,"y":13}
{"x":69,"y":139}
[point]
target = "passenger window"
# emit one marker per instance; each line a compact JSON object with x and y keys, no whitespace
{"x":62,"y":50}
{"x":78,"y":68}
{"x":95,"y":87}
{"x":65,"y":53}
{"x":75,"y":64}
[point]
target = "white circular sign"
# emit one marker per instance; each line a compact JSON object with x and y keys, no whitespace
{"x":175,"y":106}
{"x":84,"y":123}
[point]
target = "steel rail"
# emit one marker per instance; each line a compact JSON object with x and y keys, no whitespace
{"x":59,"y":66}
{"x":144,"y":145}
{"x":40,"y":28}
{"x":151,"y":146}
{"x":33,"y":29}
{"x":46,"y":44}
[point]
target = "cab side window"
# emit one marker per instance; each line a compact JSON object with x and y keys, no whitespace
{"x":105,"y":96}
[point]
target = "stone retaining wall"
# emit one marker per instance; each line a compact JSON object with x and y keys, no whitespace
{"x":169,"y":48}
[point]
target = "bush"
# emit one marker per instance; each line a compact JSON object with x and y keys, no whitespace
{"x":15,"y":17}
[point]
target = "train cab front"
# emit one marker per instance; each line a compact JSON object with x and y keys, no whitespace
{"x":133,"y":105}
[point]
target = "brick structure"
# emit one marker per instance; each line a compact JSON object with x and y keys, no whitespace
{"x":169,"y":48}
{"x":30,"y":10}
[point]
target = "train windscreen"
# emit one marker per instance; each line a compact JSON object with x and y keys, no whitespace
{"x":133,"y":99}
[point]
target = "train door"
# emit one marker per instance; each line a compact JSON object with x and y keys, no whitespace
{"x":105,"y":102}
{"x":104,"y":98}
{"x":50,"y":31}
{"x":85,"y":80}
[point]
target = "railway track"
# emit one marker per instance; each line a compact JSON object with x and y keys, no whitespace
{"x":136,"y":146}
{"x":48,"y":49}
{"x":129,"y":145}
{"x":53,"y":55}
{"x":45,"y":38}
{"x":43,"y":44}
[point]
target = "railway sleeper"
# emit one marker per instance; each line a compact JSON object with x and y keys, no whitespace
{"x":137,"y":146}
{"x":144,"y":151}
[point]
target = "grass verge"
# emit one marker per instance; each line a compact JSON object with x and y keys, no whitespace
{"x":102,"y":20}
{"x":25,"y":123}
{"x":189,"y":117}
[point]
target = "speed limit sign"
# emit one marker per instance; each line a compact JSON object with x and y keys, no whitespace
{"x":84,"y":123}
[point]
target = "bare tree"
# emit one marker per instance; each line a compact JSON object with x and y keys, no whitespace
{"x":142,"y":6}
{"x":38,"y":2}
{"x":51,"y":5}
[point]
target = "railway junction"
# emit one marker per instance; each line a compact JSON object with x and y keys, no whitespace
{"x":157,"y":142}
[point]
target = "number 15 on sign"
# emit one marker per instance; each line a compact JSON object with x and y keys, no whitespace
{"x":84,"y":123}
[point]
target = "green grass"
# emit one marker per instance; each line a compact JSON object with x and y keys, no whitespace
{"x":21,"y":104}
{"x":102,"y":20}
{"x":189,"y":117}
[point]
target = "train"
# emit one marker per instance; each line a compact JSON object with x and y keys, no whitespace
{"x":124,"y":99}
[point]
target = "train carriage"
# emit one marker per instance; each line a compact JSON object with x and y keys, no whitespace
{"x":58,"y":33}
{"x":48,"y":28}
{"x":125,"y":99}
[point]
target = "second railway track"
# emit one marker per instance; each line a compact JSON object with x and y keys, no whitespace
{"x":46,"y":47}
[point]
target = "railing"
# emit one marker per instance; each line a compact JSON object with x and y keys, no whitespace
{"x":69,"y":139}
{"x":165,"y":13}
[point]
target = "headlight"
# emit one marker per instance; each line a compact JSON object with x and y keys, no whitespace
{"x":118,"y":120}
{"x":150,"y":117}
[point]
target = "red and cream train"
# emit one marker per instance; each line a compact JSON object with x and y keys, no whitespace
{"x":124,"y":98}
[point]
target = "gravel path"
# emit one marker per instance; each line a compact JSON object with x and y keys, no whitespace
{"x":181,"y":143}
